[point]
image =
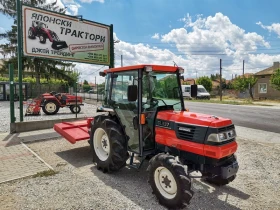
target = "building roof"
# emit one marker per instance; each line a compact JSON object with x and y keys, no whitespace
{"x":267,"y":71}
{"x":270,"y":70}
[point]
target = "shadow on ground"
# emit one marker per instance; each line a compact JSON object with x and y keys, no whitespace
{"x":133,"y":184}
{"x":77,"y":157}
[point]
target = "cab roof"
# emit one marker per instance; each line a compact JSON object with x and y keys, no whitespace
{"x":141,"y":66}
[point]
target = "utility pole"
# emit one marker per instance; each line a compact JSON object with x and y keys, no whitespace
{"x":95,"y":83}
{"x":243,"y":68}
{"x":220,"y":79}
{"x":122,"y":60}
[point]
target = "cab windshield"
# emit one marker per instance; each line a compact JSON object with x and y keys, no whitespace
{"x":159,"y":89}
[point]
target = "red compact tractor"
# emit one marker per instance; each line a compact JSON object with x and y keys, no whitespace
{"x":145,"y":116}
{"x":40,"y":29}
{"x":52,"y":102}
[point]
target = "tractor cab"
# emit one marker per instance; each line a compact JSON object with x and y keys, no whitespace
{"x":136,"y":95}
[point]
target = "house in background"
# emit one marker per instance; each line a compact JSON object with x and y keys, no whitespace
{"x":263,"y":88}
{"x":191,"y":81}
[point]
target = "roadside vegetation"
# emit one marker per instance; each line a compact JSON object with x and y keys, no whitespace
{"x":235,"y":101}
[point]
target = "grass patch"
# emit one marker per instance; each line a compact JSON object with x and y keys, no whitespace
{"x":247,"y":102}
{"x":45,"y":173}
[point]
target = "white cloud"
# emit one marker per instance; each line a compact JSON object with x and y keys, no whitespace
{"x":71,"y":5}
{"x":155,"y":36}
{"x":2,"y":30}
{"x":74,"y":8}
{"x":198,"y":48}
{"x":90,"y":1}
{"x":68,"y":1}
{"x":274,"y":27}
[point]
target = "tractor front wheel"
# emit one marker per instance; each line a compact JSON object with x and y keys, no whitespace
{"x":169,"y":181}
{"x":109,"y":146}
{"x":50,"y":108}
{"x":42,"y":39}
{"x":75,"y":109}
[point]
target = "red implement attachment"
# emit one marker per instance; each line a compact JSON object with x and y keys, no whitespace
{"x":33,"y":106}
{"x":73,"y":131}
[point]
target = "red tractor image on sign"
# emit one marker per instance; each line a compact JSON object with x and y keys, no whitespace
{"x":41,"y":30}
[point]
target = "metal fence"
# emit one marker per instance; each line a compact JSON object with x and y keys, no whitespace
{"x":35,"y":90}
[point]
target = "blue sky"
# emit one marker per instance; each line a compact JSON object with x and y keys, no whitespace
{"x":193,"y":33}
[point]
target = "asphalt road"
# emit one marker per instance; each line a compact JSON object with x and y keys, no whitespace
{"x":262,"y":118}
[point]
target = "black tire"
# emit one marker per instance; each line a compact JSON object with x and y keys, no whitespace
{"x":219,"y":181}
{"x":183,"y":193}
{"x":118,"y":155}
{"x":31,"y":33}
{"x":42,"y":39}
{"x":75,"y":109}
{"x":49,"y":104}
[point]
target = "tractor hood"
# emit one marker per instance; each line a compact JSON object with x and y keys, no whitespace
{"x":193,"y":118}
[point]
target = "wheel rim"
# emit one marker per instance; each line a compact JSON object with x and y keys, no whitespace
{"x":75,"y":109}
{"x":50,"y":107}
{"x":30,"y":33}
{"x":101,"y":144}
{"x":165,"y":182}
{"x":41,"y":38}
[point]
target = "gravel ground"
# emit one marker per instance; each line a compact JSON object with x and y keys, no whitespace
{"x":79,"y":185}
{"x":87,"y":111}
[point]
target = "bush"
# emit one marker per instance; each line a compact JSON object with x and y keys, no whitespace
{"x":206,"y":82}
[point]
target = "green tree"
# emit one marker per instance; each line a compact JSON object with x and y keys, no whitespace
{"x":206,"y":82}
{"x":243,"y":83}
{"x":275,"y":79}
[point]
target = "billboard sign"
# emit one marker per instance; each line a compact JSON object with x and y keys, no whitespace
{"x":52,"y":35}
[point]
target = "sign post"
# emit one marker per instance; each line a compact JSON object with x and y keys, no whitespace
{"x":52,"y":35}
{"x":19,"y":53}
{"x":12,"y":90}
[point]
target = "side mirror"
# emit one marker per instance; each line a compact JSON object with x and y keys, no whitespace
{"x":102,"y":74}
{"x":193,"y":91}
{"x":132,"y":93}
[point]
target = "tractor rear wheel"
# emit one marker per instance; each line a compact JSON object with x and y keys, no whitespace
{"x":169,"y":181}
{"x":75,"y":109}
{"x":109,"y":146}
{"x":31,"y":33}
{"x":50,"y":108}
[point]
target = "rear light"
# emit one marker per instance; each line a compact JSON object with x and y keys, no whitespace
{"x":89,"y":121}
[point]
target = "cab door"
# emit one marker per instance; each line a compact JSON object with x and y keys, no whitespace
{"x":127,"y":111}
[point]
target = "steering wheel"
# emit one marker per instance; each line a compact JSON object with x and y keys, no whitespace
{"x":153,"y":103}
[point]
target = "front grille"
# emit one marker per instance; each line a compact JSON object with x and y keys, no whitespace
{"x":186,"y":131}
{"x":227,"y":128}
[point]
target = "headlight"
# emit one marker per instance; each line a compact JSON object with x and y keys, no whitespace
{"x":220,"y":137}
{"x":213,"y":137}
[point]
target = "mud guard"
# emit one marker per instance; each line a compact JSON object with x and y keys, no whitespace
{"x":73,"y":131}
